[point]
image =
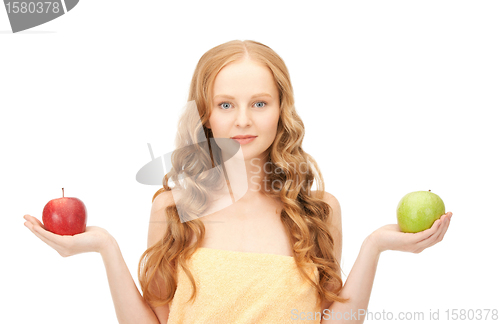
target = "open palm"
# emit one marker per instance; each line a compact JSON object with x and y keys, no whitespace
{"x":92,"y":240}
{"x":390,"y":237}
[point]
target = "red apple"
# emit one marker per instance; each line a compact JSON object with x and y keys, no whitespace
{"x":65,"y":216}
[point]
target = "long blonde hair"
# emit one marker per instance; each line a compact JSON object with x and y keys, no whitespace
{"x":304,"y":217}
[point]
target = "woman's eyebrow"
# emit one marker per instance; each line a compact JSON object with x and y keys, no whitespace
{"x":254,"y":96}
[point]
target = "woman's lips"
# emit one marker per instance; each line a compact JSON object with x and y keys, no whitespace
{"x":244,"y":140}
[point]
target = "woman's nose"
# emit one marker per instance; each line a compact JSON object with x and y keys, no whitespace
{"x":243,"y":118}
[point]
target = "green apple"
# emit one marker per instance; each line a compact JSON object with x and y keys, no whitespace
{"x":418,"y":210}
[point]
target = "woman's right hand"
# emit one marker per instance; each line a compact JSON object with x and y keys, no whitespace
{"x":94,"y":239}
{"x":390,"y":237}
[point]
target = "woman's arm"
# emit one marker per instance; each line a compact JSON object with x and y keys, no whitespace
{"x":130,"y":306}
{"x":359,"y":283}
{"x":358,"y":287}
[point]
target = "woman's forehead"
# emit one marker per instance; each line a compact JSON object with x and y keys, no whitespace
{"x":244,"y":79}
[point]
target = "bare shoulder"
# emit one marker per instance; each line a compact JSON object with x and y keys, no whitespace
{"x":335,"y":226}
{"x":334,"y":221}
{"x":333,"y":202}
{"x":163,"y":199}
{"x":158,"y":217}
{"x":157,"y":229}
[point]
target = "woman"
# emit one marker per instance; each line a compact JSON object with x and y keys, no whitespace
{"x":270,"y":255}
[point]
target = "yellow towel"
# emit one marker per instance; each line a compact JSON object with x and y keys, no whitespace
{"x":244,"y":288}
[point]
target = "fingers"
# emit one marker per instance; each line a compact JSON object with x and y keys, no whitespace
{"x":34,"y":220}
{"x":443,"y":230}
{"x":437,"y":235}
{"x":59,"y":239}
{"x":35,"y":230}
{"x":428,"y":233}
{"x":55,"y":241}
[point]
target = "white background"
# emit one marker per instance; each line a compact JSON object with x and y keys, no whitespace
{"x":396,"y":96}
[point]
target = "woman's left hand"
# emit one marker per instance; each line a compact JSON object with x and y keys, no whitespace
{"x":390,"y":237}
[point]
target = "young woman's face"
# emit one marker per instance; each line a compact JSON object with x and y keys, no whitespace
{"x":245,"y":102}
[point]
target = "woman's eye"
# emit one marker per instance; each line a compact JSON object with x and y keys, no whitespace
{"x":224,"y":107}
{"x":227,"y":105}
{"x":261,"y":102}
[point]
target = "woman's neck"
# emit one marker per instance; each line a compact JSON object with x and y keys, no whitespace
{"x":246,"y":176}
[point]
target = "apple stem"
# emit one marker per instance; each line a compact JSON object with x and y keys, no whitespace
{"x":63,"y":192}
{"x":429,"y":189}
